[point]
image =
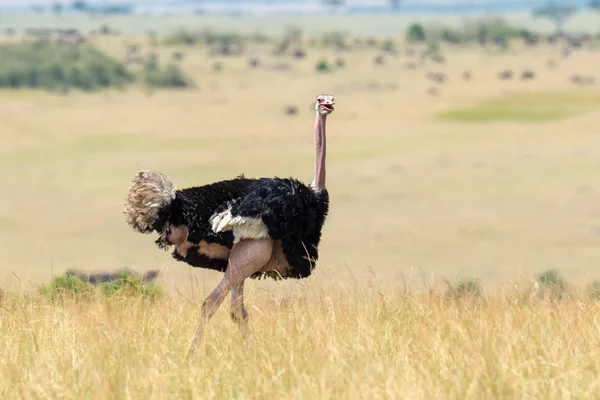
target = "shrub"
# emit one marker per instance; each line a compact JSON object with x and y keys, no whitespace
{"x":170,"y":76}
{"x":182,"y":37}
{"x":323,"y":66}
{"x":334,"y":39}
{"x":473,"y":28}
{"x":206,"y":37}
{"x":64,"y":66}
{"x":65,"y":285}
{"x":553,"y":284}
{"x":416,"y":33}
{"x":389,"y":47}
{"x":131,"y":285}
{"x":469,"y":288}
{"x":126,"y":284}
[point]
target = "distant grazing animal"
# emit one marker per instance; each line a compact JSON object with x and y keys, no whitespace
{"x":500,"y":41}
{"x":246,"y":228}
{"x":506,"y":74}
{"x":253,"y":62}
{"x":177,"y":56}
{"x":466,"y":75}
{"x":583,"y":80}
{"x":371,"y":42}
{"x":291,"y":110}
{"x":450,"y":37}
{"x":438,"y":58}
{"x":299,"y":53}
{"x":527,"y":75}
{"x":379,"y":60}
{"x":437,"y":77}
{"x":577,"y":79}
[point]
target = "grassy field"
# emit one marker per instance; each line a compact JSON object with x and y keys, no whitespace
{"x":490,"y":179}
{"x":413,"y":184}
{"x":343,"y":341}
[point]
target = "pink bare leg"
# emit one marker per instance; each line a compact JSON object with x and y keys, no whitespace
{"x":246,"y":258}
{"x":238,"y":311}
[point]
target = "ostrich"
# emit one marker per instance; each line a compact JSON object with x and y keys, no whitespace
{"x":246,"y":228}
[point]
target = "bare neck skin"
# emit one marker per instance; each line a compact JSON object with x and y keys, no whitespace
{"x":320,"y":150}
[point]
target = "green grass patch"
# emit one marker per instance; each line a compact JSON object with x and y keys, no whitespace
{"x":126,"y":285}
{"x":5,"y":222}
{"x":525,"y":107}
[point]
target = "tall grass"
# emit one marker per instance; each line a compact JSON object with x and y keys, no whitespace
{"x":348,"y":342}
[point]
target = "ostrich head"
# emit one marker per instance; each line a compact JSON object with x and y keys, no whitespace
{"x":324,"y":104}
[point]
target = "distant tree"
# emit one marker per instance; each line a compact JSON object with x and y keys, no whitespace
{"x":79,"y":5}
{"x":558,"y":13}
{"x":416,"y":33}
{"x":333,"y":3}
{"x":395,"y":4}
{"x":57,"y":7}
{"x":594,"y":4}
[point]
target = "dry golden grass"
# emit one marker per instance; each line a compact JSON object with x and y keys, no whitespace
{"x":344,"y":341}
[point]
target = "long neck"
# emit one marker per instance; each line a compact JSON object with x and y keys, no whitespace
{"x":320,"y":150}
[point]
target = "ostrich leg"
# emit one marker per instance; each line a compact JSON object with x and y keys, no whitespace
{"x":238,"y":311}
{"x":246,"y":258}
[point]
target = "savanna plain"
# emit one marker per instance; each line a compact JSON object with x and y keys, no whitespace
{"x":459,"y":258}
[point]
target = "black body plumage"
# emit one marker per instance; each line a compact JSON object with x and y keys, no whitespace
{"x":194,"y":206}
{"x":292,"y":212}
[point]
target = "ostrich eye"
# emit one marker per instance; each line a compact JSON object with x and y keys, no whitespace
{"x":168,"y":231}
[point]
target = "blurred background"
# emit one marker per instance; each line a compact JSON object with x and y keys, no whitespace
{"x":465,"y":141}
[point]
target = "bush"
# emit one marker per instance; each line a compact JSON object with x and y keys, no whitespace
{"x":170,"y":76}
{"x":323,"y":66}
{"x":473,"y":28}
{"x":60,"y":67}
{"x":553,"y":284}
{"x":416,"y":33}
{"x":131,"y":285}
{"x":65,"y":285}
{"x":470,"y":288}
{"x":126,"y":284}
{"x":182,"y":37}
{"x":334,"y":39}
{"x":206,"y":37}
